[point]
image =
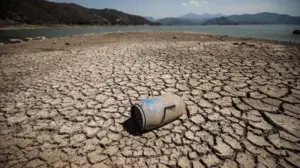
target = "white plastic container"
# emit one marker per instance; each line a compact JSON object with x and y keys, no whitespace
{"x":157,"y":111}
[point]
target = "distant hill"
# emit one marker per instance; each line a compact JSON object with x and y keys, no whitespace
{"x":264,"y":18}
{"x":175,"y":21}
{"x":45,"y":12}
{"x":197,"y":17}
{"x":150,"y":18}
{"x":220,"y":21}
{"x":188,"y":19}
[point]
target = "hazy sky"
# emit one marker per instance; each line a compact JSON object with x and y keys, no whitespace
{"x":169,"y":8}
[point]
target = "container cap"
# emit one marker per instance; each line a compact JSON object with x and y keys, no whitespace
{"x":138,"y":117}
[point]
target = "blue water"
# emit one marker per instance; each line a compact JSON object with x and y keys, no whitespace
{"x":272,"y":32}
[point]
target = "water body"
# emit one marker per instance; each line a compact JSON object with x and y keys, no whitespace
{"x":272,"y":32}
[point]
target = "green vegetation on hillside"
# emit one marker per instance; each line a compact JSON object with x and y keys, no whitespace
{"x":44,"y":12}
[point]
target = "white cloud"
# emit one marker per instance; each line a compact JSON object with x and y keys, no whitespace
{"x":184,"y":4}
{"x":248,"y":8}
{"x":196,"y":3}
{"x":205,"y":2}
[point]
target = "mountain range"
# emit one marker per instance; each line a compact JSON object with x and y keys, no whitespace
{"x":219,"y":19}
{"x":197,"y":17}
{"x":46,"y":12}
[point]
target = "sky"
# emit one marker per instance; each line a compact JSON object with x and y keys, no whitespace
{"x":174,"y":8}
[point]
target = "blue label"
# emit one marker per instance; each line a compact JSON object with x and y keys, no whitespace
{"x":151,"y":104}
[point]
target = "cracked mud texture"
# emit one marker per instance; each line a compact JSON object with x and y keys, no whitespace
{"x":65,"y":107}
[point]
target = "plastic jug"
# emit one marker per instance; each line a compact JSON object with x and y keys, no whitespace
{"x":157,"y":111}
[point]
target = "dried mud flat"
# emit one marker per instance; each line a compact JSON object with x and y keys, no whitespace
{"x":65,"y":106}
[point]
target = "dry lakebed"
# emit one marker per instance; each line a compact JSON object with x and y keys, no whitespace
{"x":64,"y":101}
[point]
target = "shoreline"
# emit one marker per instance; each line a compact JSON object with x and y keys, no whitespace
{"x":86,"y":40}
{"x":26,"y":26}
{"x":75,"y":30}
{"x":65,"y":26}
{"x":145,"y":33}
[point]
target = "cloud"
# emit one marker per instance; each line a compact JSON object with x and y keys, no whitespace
{"x":248,"y":8}
{"x":205,"y":2}
{"x":195,"y":3}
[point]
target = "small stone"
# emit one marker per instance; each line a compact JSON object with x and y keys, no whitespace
{"x":266,"y":160}
{"x":197,"y":92}
{"x":68,"y":129}
{"x":189,"y":135}
{"x":100,"y":165}
{"x":166,"y":76}
{"x":245,"y":160}
{"x":197,"y":164}
{"x":204,"y":103}
{"x":205,"y":86}
{"x":258,"y":140}
{"x":28,"y":39}
{"x":114,"y":137}
{"x":211,"y":95}
{"x":281,"y":143}
{"x":40,"y":38}
{"x":198,"y":119}
{"x":229,"y":164}
{"x":101,"y":98}
{"x":13,"y":41}
{"x":259,"y":105}
{"x":211,"y":160}
{"x":289,"y":123}
{"x":262,"y":124}
{"x":183,"y":162}
{"x":212,"y":126}
{"x":205,"y":136}
{"x":90,"y":131}
{"x":232,"y":142}
{"x":105,"y":141}
{"x":60,"y":164}
{"x":78,"y":138}
{"x":127,"y":152}
{"x":224,"y":102}
{"x":35,"y":163}
{"x":289,"y":137}
{"x":273,"y":91}
{"x":112,"y":150}
{"x":96,"y":157}
{"x":193,"y":155}
{"x":18,"y":118}
{"x":294,"y":159}
{"x":292,"y":108}
{"x":182,"y":87}
{"x":109,"y":101}
{"x":149,"y":152}
{"x":162,"y":166}
{"x":223,"y":149}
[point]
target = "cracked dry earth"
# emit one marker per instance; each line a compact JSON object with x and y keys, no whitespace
{"x":66,"y":108}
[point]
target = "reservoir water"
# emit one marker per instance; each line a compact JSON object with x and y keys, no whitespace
{"x":272,"y":32}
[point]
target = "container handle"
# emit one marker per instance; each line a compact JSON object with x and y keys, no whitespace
{"x":165,"y":111}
